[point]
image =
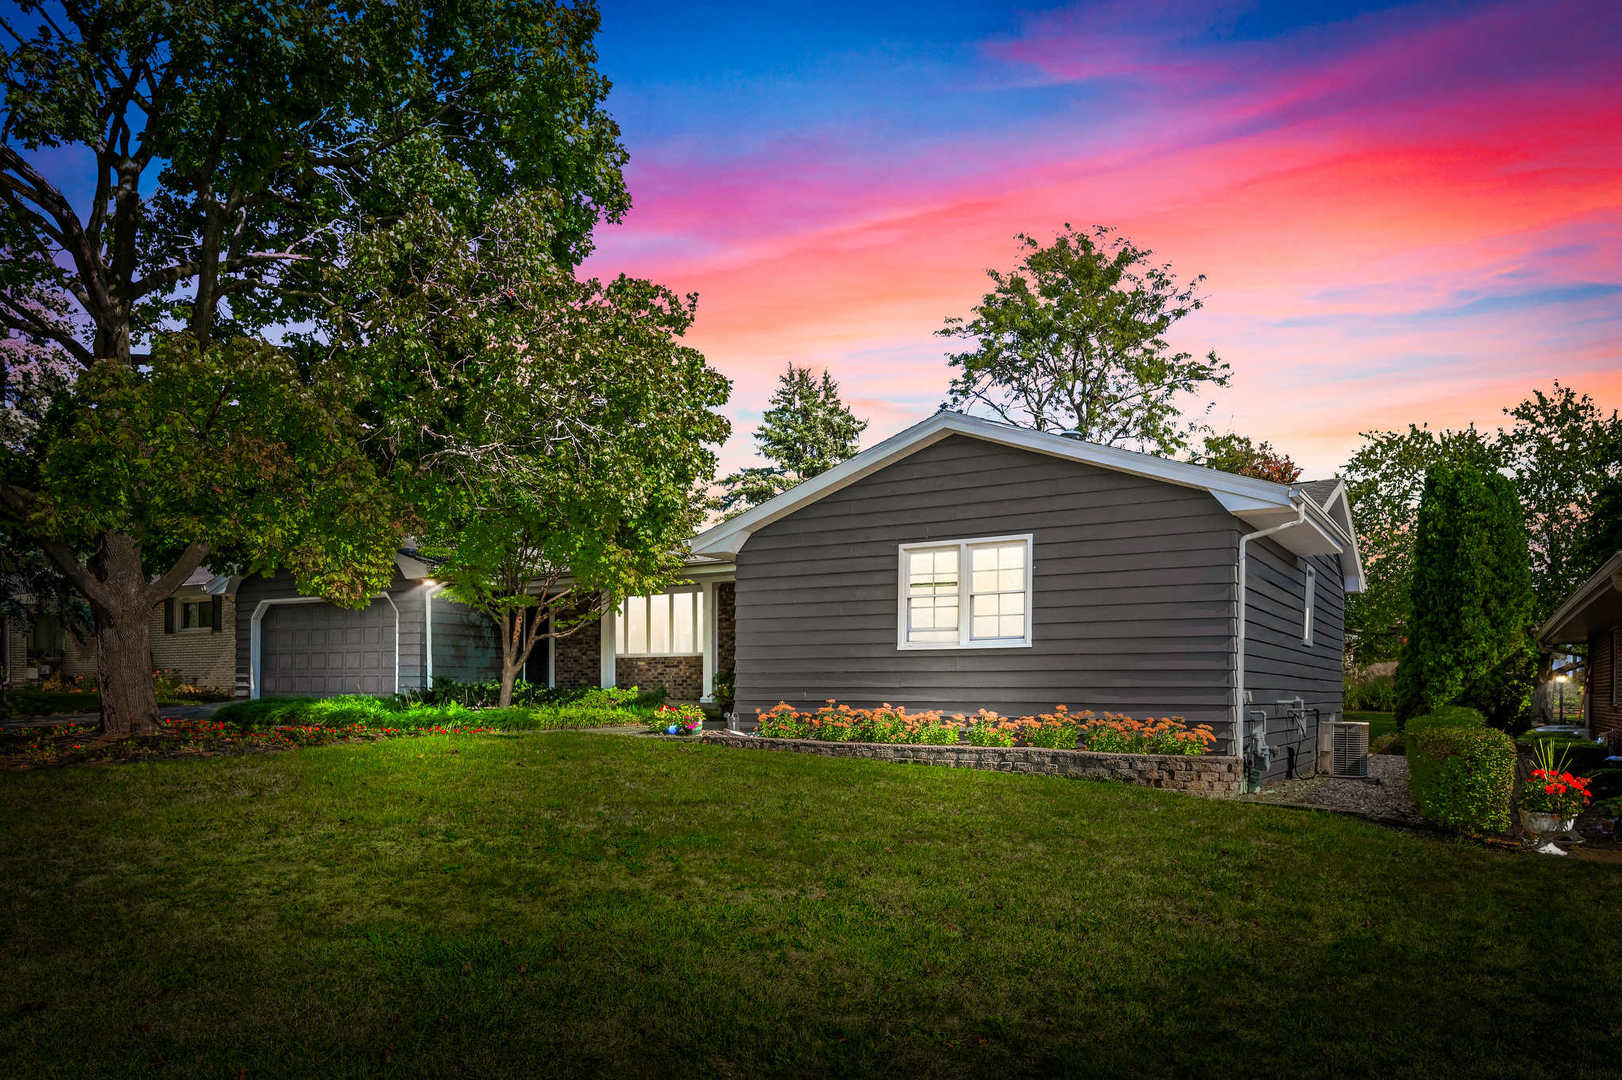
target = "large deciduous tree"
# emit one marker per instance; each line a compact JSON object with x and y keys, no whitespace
{"x":1074,"y":339}
{"x":182,"y":184}
{"x":1245,"y":456}
{"x":571,"y":427}
{"x":807,"y":430}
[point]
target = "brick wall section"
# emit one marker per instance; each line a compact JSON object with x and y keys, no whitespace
{"x":726,"y":625}
{"x":204,"y":657}
{"x":579,"y":658}
{"x":1604,"y":717}
{"x":1207,"y":775}
{"x":681,"y":676}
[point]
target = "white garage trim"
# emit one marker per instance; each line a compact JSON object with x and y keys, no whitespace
{"x":255,"y":649}
{"x":427,"y":642}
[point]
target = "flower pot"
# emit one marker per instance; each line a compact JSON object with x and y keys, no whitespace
{"x":1541,"y":829}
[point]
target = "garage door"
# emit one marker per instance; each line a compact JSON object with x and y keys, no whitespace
{"x":318,"y":649}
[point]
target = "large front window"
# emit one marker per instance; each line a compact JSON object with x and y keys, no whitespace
{"x":960,"y":594}
{"x":670,"y":624}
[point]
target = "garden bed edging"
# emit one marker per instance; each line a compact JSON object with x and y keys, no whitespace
{"x":1197,"y":774}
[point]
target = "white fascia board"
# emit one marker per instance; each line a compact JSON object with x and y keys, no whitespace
{"x":1607,"y":576}
{"x":729,"y":536}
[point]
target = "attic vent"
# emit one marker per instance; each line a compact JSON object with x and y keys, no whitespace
{"x":1351,"y":749}
{"x":1072,"y":433}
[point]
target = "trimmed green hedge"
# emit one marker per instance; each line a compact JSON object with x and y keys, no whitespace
{"x":1462,"y":772}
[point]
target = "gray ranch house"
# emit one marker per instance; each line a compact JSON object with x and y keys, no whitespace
{"x":960,"y":564}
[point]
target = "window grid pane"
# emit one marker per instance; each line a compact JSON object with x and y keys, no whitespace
{"x":998,"y":596}
{"x":932,"y":595}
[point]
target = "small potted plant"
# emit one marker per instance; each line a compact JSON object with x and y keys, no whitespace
{"x":1551,"y":799}
{"x":676,"y":720}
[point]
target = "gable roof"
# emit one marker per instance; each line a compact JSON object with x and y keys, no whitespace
{"x":1595,"y":605}
{"x":1311,"y":526}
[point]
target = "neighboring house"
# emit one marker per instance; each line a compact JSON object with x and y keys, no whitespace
{"x":190,"y":636}
{"x":1592,"y":617}
{"x":961,"y":564}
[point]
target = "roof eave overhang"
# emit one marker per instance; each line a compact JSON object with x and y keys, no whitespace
{"x":1568,"y":624}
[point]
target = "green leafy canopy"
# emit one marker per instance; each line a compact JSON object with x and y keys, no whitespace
{"x":1074,"y":338}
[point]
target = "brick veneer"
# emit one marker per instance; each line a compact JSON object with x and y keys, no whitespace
{"x":726,"y":625}
{"x":579,"y":658}
{"x":681,"y":676}
{"x":1209,"y":775}
{"x":206,"y":658}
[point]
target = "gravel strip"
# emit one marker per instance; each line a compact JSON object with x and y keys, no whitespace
{"x":1384,"y":796}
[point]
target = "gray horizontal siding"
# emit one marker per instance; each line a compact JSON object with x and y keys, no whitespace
{"x":466,"y":648}
{"x":1132,"y":607}
{"x":1278,"y":666}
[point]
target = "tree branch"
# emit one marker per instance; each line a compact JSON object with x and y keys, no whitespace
{"x":189,"y":560}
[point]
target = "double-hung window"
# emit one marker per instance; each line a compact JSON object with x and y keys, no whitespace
{"x":965,"y":594}
{"x":670,"y":624}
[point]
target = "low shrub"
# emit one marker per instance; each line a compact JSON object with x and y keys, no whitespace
{"x":481,"y":695}
{"x":1606,"y":783}
{"x":399,"y":714}
{"x":1390,"y":743}
{"x":1461,"y":772}
{"x":1447,"y":717}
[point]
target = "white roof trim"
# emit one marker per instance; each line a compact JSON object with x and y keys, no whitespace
{"x":1240,"y":495}
{"x":1609,"y":574}
{"x":1336,"y":511}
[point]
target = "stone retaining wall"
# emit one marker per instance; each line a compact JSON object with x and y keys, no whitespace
{"x":1206,"y":774}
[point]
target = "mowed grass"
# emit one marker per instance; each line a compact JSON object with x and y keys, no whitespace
{"x":590,"y":904}
{"x":1380,"y":723}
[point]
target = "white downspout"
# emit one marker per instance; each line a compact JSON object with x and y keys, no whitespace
{"x":1239,"y":655}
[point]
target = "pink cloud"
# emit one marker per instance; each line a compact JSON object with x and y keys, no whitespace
{"x":1336,"y":195}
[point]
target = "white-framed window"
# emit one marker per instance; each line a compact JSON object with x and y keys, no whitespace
{"x":965,"y":594}
{"x":669,"y":624}
{"x":1307,"y":604}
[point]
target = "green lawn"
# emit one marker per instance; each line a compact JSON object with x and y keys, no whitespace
{"x":597,"y":904}
{"x":1380,"y":723}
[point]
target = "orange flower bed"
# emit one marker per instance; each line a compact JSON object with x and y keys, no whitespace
{"x":1113,"y":733}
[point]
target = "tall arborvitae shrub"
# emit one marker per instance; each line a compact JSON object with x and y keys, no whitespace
{"x":1469,"y":626}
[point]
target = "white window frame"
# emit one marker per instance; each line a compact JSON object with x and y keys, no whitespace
{"x":700,"y":611}
{"x":965,"y":580}
{"x":1308,"y":602}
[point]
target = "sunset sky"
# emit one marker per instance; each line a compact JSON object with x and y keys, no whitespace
{"x":1406,"y":211}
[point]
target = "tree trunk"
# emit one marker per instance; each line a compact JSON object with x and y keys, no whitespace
{"x":129,"y":706}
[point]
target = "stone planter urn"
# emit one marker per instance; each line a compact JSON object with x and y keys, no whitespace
{"x":1541,"y":829}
